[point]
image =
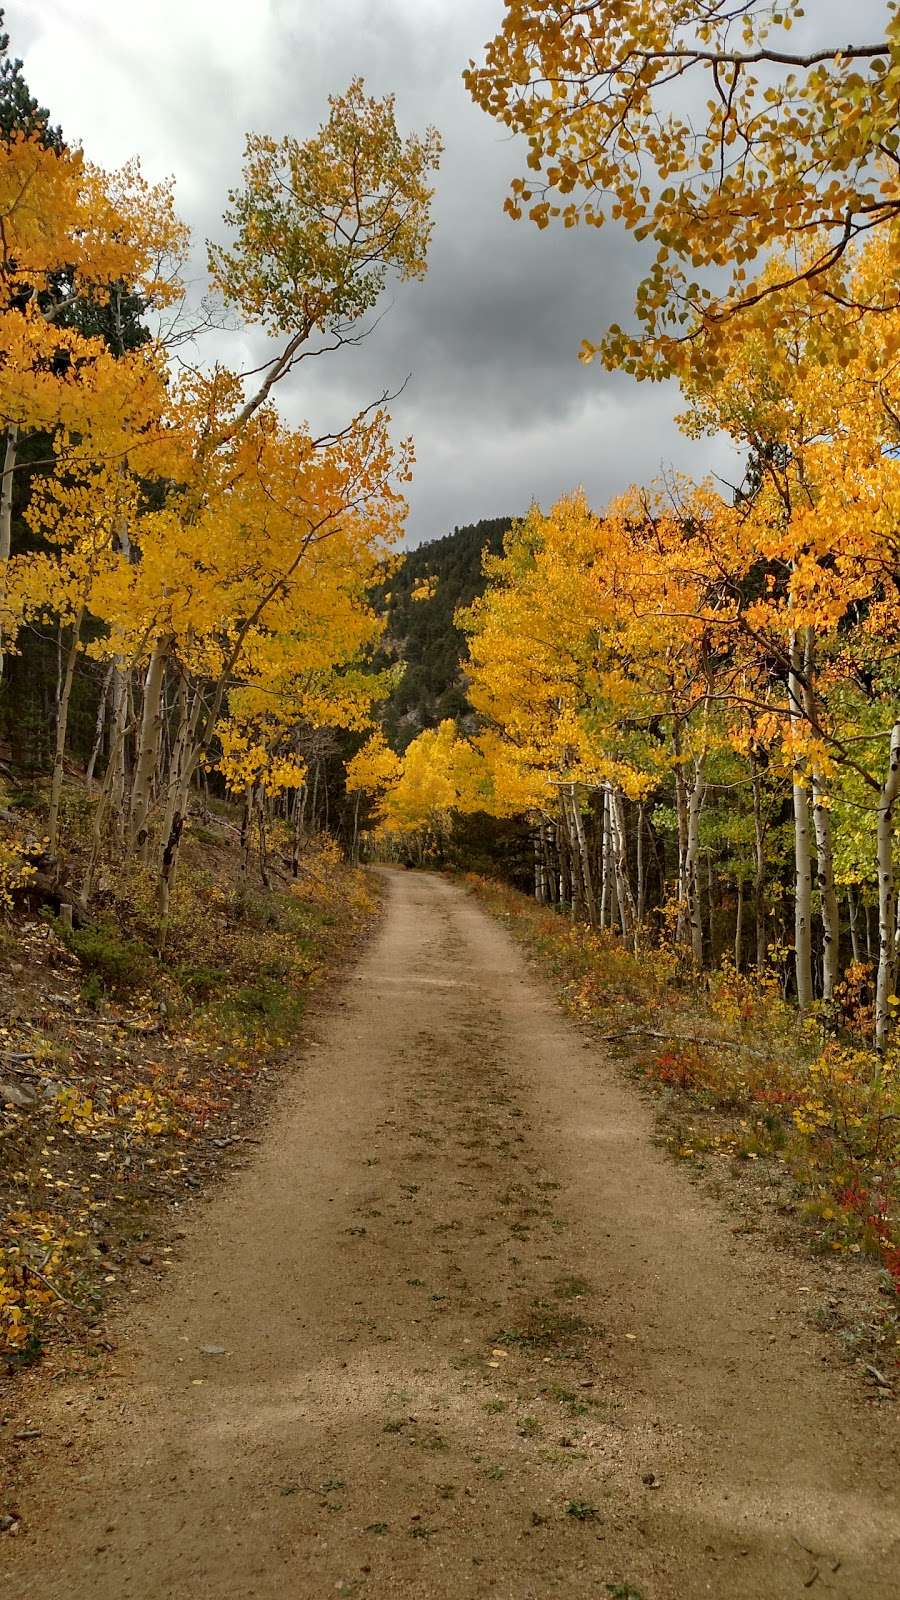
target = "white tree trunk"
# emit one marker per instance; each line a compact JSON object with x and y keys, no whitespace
{"x":99,"y":726}
{"x":584,"y":860}
{"x":682,"y":924}
{"x":887,"y":908}
{"x":6,"y":504}
{"x":62,"y":723}
{"x":831,"y":922}
{"x":641,"y":868}
{"x":802,"y":851}
{"x":695,"y":797}
{"x":739,"y":928}
{"x":117,"y":751}
{"x":627,"y":908}
{"x":759,"y":878}
{"x":605,"y":862}
{"x":149,"y":747}
{"x":853,"y":918}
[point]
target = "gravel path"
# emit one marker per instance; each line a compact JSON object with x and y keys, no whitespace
{"x":481,"y":1338}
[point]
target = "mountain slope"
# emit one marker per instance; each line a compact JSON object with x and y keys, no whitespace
{"x":421,"y":633}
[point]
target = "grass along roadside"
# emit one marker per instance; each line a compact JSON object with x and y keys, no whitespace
{"x":806,"y":1120}
{"x":128,"y":1075}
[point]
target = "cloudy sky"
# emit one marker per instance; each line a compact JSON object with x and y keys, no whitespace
{"x":501,"y":410}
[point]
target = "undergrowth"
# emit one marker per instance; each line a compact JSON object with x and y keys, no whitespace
{"x":126,"y":1068}
{"x":744,"y":1077}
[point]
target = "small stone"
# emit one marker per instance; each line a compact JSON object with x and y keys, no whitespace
{"x":14,"y":1094}
{"x":212,"y":1350}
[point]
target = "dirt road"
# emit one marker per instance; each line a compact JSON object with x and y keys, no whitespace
{"x":480,"y":1339}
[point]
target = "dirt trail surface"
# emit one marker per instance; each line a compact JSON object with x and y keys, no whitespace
{"x":479,"y":1338}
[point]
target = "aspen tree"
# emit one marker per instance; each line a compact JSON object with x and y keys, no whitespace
{"x":769,"y":146}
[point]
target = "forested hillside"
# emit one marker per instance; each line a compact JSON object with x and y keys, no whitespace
{"x":421,"y":633}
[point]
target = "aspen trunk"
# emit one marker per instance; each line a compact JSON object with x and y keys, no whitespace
{"x":627,"y":909}
{"x":576,"y":882}
{"x":262,"y":820}
{"x":831,"y":924}
{"x":149,"y":747}
{"x":584,"y":857}
{"x":6,"y":505}
{"x":695,"y":797}
{"x":313,"y":801}
{"x":62,"y":725}
{"x":605,"y":864}
{"x":887,"y":909}
{"x":299,"y":817}
{"x":759,"y":880}
{"x":119,"y":737}
{"x":565,"y":880}
{"x":615,"y":910}
{"x":739,"y":927}
{"x":185,"y":762}
{"x":246,"y":828}
{"x":354,"y":845}
{"x":852,"y":917}
{"x":169,"y":858}
{"x":828,"y":906}
{"x":802,"y":852}
{"x":682,"y":924}
{"x":550,"y":876}
{"x":105,"y":799}
{"x":99,"y":725}
{"x":641,"y":868}
{"x":117,"y":751}
{"x":181,"y":770}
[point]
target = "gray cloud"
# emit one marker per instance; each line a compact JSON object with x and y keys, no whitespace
{"x":499,"y":405}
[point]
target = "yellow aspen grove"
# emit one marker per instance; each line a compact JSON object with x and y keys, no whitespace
{"x":69,"y":235}
{"x":816,"y":405}
{"x":190,"y":577}
{"x":318,"y":230}
{"x":568,"y":659}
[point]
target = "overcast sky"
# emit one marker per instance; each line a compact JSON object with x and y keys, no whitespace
{"x":501,"y":410}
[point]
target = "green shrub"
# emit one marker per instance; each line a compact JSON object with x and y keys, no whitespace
{"x":117,"y":965}
{"x":266,"y":1006}
{"x":202,"y":983}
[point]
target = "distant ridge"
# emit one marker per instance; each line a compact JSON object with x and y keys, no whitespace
{"x":421,"y":632}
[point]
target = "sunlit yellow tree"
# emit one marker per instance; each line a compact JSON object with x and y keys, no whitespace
{"x":711,"y":129}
